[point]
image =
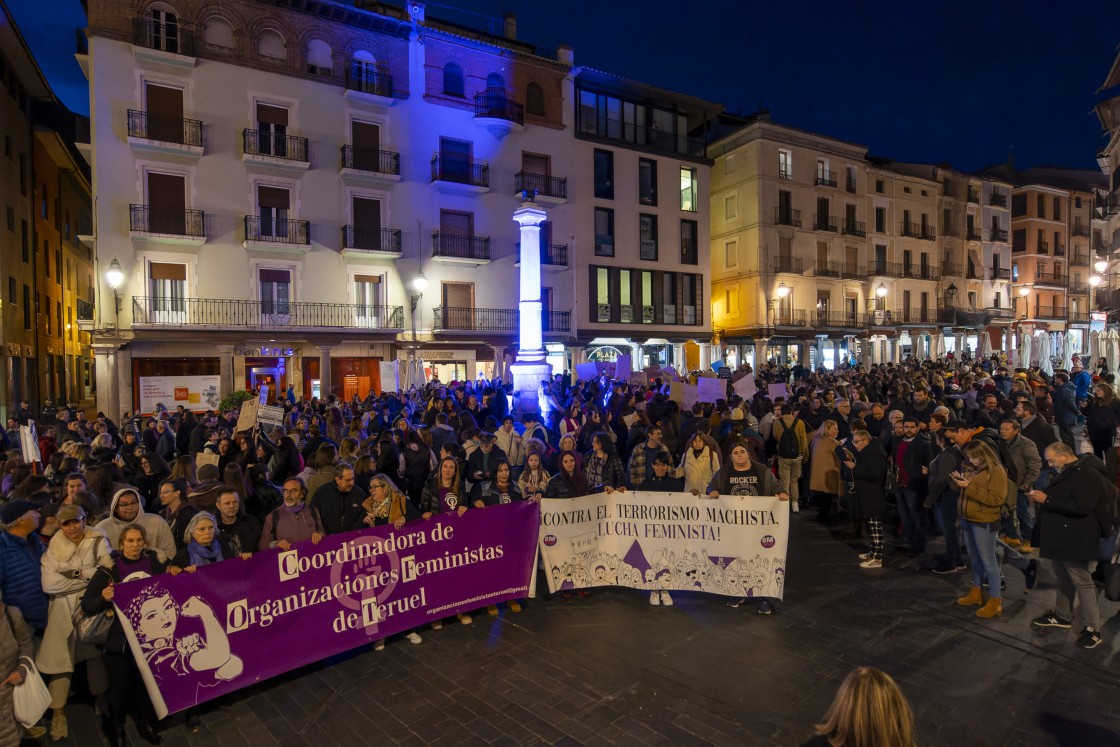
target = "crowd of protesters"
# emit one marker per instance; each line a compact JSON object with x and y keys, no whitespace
{"x":984,"y":456}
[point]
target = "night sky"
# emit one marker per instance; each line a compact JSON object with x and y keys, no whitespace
{"x":962,"y":82}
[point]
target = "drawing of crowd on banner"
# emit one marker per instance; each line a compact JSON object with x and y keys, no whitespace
{"x":733,"y":546}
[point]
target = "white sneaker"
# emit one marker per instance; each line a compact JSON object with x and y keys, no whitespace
{"x":794,"y":507}
{"x":654,"y":598}
{"x":865,"y":556}
{"x":414,"y":637}
{"x":871,"y":563}
{"x":379,"y":645}
{"x":437,"y":624}
{"x":666,"y":599}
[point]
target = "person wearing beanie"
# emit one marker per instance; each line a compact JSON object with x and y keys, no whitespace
{"x":21,"y":550}
{"x":204,"y":495}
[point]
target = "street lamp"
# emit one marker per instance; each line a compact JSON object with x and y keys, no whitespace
{"x":1100,"y":266}
{"x":782,"y":292}
{"x":881,"y":291}
{"x":419,"y":285}
{"x":114,"y":276}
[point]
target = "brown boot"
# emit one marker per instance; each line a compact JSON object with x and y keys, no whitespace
{"x":993,"y":608}
{"x":974,"y":598}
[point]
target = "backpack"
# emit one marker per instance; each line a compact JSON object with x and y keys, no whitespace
{"x":789,"y":445}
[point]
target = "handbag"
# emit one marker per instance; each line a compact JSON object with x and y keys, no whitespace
{"x":30,"y":698}
{"x":94,"y":628}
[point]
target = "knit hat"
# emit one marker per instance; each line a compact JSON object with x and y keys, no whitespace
{"x":737,"y":414}
{"x":12,"y":511}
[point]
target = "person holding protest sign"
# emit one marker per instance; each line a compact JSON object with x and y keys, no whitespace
{"x":131,"y":560}
{"x":741,"y":476}
{"x":293,"y":521}
{"x":443,"y":494}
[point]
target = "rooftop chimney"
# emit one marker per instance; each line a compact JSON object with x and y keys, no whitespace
{"x":565,"y":55}
{"x":511,"y":26}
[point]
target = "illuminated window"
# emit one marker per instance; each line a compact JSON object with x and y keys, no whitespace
{"x":688,"y":189}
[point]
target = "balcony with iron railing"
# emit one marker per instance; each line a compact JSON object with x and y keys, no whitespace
{"x":85,"y":315}
{"x":884,"y":269}
{"x":787,"y":217}
{"x":791,"y":265}
{"x":1059,"y":250}
{"x":918,"y":272}
{"x":1078,"y":317}
{"x":497,"y":112}
{"x":1000,"y":312}
{"x":162,"y":36}
{"x":836,"y":319}
{"x":274,"y":150}
{"x":553,"y":256}
{"x":997,"y":199}
{"x":920,"y":315}
{"x":828,"y":269}
{"x":997,"y":235}
{"x":470,"y":319}
{"x":1079,"y":229}
{"x":1050,"y":278}
{"x":167,"y":134}
{"x":1080,"y":259}
{"x":235,"y":313}
{"x":1047,"y":312}
{"x":1042,"y":247}
{"x":825,"y":179}
{"x":999,"y":273}
{"x":375,"y":241}
{"x":543,"y":187}
{"x":167,"y":226}
{"x":825,"y":223}
{"x":1080,"y":288}
{"x":369,"y":165}
{"x":973,"y":234}
{"x":973,"y":195}
{"x":460,"y":175}
{"x":854,"y":228}
{"x":267,"y":232}
{"x":460,"y":248}
{"x":790,"y":318}
{"x":373,"y":80}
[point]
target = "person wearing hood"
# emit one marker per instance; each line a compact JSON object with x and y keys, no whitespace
{"x":128,"y":508}
{"x":69,"y":563}
{"x":204,"y":495}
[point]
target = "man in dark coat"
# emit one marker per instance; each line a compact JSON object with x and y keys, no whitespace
{"x":1065,"y":407}
{"x":339,"y":503}
{"x":1069,"y":536}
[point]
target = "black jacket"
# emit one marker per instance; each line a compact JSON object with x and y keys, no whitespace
{"x":340,"y":512}
{"x":93,"y":603}
{"x":869,"y":475}
{"x":1068,"y":528}
{"x":1042,"y":433}
{"x":667,"y":484}
{"x":488,"y":492}
{"x":243,"y":535}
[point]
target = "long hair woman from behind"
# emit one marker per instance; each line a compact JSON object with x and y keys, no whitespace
{"x":868,"y":711}
{"x":1102,"y":415}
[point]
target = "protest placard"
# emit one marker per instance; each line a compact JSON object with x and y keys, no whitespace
{"x":198,"y":636}
{"x":270,"y":415}
{"x":710,"y":389}
{"x":247,"y":418}
{"x":734,"y":545}
{"x":745,"y":387}
{"x":683,"y":394}
{"x":777,"y":390}
{"x":206,"y":457}
{"x":586,"y":371}
{"x":623,"y":368}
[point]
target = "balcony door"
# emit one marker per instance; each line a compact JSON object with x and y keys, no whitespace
{"x":851,"y":261}
{"x":455,"y":231}
{"x":167,"y":291}
{"x":458,"y":305}
{"x":366,"y":139}
{"x":546,"y":309}
{"x":455,"y":160}
{"x":164,"y":107}
{"x":273,"y":206}
{"x":167,"y":206}
{"x":367,"y":224}
{"x":369,"y":299}
{"x":276,"y":293}
{"x":272,"y":130}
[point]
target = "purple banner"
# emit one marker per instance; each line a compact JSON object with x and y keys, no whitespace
{"x":230,"y":625}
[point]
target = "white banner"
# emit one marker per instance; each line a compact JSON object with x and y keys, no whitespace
{"x":196,"y":393}
{"x":733,"y":545}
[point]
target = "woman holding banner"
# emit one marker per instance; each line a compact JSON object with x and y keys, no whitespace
{"x":502,"y":489}
{"x":602,"y":467}
{"x":533,"y":480}
{"x":443,"y":494}
{"x":388,"y":505}
{"x":204,"y":546}
{"x":698,"y":465}
{"x":131,"y":560}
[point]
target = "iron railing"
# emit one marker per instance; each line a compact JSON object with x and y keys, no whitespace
{"x":1080,"y":229}
{"x":794,"y":265}
{"x":221,"y":312}
{"x":144,"y":219}
{"x":885,"y":269}
{"x":555,"y":255}
{"x":1079,"y":259}
{"x":790,"y":318}
{"x":1059,"y":250}
{"x":165,"y":129}
{"x":999,"y":273}
{"x":975,"y":234}
{"x":494,"y":320}
{"x":836,"y":319}
{"x":927,"y":315}
{"x":166,"y":36}
{"x":828,"y":269}
{"x":917,"y":272}
{"x":495,"y":103}
{"x":461,"y":171}
{"x":277,"y":231}
{"x":998,"y":235}
{"x":291,"y":147}
{"x":1000,"y":312}
{"x":1050,"y":278}
{"x":371,"y":239}
{"x":375,"y":80}
{"x":1078,"y":287}
{"x":1042,"y":247}
{"x":825,"y":223}
{"x":999,"y":199}
{"x":1049,"y":312}
{"x":458,"y":246}
{"x":854,"y":228}
{"x":973,"y":195}
{"x":787,"y":217}
{"x":371,"y":159}
{"x":825,"y":179}
{"x":541,"y":184}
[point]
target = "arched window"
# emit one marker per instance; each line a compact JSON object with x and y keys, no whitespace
{"x":163,"y":28}
{"x":271,"y":46}
{"x":452,"y":80}
{"x":319,"y":60}
{"x":218,"y":32}
{"x":493,"y":80}
{"x":534,"y":99}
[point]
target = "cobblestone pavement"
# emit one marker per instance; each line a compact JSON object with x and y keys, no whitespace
{"x":612,"y":670}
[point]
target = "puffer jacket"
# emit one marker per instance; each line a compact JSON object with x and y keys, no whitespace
{"x":983,"y":499}
{"x":698,"y":471}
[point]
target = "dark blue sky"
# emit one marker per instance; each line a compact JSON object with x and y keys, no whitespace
{"x":937,"y":80}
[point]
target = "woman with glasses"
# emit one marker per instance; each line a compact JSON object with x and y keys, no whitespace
{"x":386,"y":504}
